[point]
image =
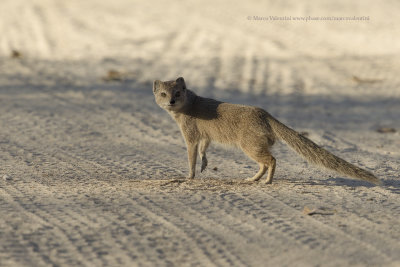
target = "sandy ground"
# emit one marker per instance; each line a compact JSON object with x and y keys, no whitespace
{"x":92,"y":169}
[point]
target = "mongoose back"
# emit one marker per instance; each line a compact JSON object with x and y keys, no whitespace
{"x":204,"y":120}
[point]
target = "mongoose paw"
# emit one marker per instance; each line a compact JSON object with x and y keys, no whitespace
{"x":252,"y":179}
{"x":203,"y":164}
{"x":190,"y":176}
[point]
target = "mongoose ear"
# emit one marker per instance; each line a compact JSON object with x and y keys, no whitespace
{"x":156,"y":85}
{"x":181,"y":81}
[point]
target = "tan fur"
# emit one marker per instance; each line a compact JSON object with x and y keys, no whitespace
{"x":204,"y":120}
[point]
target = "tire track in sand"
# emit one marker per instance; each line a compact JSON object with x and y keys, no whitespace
{"x":63,"y":222}
{"x":57,"y":233}
{"x":371,"y":253}
{"x":67,"y":224}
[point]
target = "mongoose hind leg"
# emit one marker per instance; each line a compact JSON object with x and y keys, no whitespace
{"x":259,"y":174}
{"x":271,"y":170}
{"x":259,"y":152}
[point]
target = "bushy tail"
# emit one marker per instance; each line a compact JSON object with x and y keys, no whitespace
{"x":317,"y":155}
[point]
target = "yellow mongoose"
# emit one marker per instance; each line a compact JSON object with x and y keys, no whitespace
{"x":203,"y":120}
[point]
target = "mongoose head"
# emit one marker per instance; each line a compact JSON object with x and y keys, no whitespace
{"x":170,"y":95}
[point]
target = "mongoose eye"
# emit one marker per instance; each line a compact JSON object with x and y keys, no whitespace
{"x":177,"y":94}
{"x":163,"y":94}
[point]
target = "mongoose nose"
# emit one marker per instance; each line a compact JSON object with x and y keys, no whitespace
{"x":172,"y":102}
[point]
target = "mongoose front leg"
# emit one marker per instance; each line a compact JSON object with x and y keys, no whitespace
{"x":204,"y":163}
{"x":202,"y":151}
{"x":192,"y":156}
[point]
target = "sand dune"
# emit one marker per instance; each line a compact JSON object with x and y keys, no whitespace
{"x":92,"y":169}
